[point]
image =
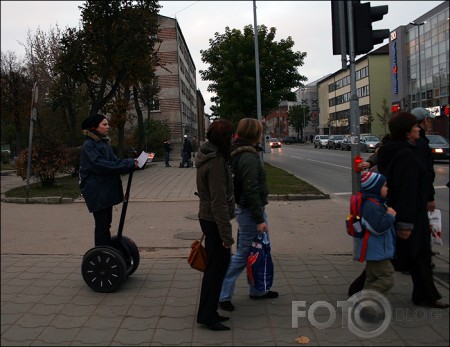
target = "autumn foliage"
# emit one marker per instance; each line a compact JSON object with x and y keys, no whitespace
{"x":47,"y":160}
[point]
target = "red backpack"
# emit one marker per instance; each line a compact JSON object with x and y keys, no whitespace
{"x":353,"y":222}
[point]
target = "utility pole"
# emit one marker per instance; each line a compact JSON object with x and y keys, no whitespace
{"x":34,"y":100}
{"x":354,"y":104}
{"x":258,"y":83}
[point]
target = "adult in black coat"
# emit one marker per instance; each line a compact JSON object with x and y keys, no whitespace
{"x":408,"y":185}
{"x":424,"y":117}
{"x":100,"y":171}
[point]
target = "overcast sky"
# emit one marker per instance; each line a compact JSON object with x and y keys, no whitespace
{"x":307,"y":22}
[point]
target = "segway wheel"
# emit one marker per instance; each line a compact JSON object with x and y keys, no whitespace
{"x":130,"y":252}
{"x":103,"y":269}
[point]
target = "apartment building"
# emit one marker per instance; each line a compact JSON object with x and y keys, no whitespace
{"x":176,"y":101}
{"x":372,"y":89}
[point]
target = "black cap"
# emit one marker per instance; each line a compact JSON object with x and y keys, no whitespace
{"x":92,"y":122}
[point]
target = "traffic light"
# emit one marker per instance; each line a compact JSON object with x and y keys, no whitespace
{"x":365,"y":36}
{"x":363,"y":17}
{"x":336,"y":20}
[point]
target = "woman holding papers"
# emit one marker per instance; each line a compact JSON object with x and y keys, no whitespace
{"x":100,"y":171}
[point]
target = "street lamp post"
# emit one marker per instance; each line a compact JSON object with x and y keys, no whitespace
{"x":420,"y":67}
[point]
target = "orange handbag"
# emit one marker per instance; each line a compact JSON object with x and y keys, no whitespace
{"x":197,"y":257}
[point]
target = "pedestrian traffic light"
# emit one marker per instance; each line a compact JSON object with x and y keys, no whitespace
{"x":356,"y":162}
{"x":363,"y":17}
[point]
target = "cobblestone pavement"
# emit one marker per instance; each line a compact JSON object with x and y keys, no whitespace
{"x":44,"y":300}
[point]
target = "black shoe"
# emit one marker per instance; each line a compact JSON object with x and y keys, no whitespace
{"x":226,"y":305}
{"x":268,"y":295}
{"x":217,"y":327}
{"x":223,"y":319}
{"x":370,"y":315}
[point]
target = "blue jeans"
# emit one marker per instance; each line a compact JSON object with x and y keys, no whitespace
{"x":246,"y":233}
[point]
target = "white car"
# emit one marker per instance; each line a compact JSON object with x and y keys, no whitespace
{"x":320,"y":141}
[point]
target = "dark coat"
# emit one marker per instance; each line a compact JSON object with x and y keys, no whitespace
{"x":408,"y":190}
{"x":187,"y":146}
{"x":250,"y":186}
{"x":100,"y":171}
{"x":215,"y":190}
{"x":424,"y":152}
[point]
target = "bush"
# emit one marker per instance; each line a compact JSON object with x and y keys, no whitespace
{"x":6,"y":157}
{"x":47,"y":160}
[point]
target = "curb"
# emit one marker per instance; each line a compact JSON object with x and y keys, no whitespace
{"x":62,"y":200}
{"x":40,"y":200}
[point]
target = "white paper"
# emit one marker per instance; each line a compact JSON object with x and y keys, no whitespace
{"x":142,"y":159}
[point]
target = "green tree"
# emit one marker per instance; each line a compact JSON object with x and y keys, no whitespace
{"x":231,"y":59}
{"x":384,"y":117}
{"x":113,"y":49}
{"x":298,"y":117}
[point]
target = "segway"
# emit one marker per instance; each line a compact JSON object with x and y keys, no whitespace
{"x":105,"y":268}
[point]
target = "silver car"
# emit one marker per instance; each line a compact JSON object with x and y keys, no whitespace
{"x":368,"y":143}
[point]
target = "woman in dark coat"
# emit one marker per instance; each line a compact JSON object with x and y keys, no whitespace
{"x":406,"y":174}
{"x":100,"y":171}
{"x":216,"y":209}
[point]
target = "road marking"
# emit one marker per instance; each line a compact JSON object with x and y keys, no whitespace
{"x":322,"y":162}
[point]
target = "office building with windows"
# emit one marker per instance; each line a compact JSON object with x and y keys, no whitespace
{"x":419,"y":59}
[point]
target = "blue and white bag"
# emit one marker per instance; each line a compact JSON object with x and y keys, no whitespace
{"x":259,"y":263}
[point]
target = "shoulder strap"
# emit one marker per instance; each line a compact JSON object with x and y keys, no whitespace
{"x":374,"y":201}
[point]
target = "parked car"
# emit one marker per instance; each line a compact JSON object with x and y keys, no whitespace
{"x":274,"y":143}
{"x":320,"y":141}
{"x":334,"y":141}
{"x":346,"y":144}
{"x":439,"y":147}
{"x":368,"y":143}
{"x":290,"y":139}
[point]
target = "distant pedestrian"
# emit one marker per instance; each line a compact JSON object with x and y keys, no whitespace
{"x":379,"y":247}
{"x":186,"y":152}
{"x":167,"y":150}
{"x":311,"y":138}
{"x":250,"y":191}
{"x":100,"y":171}
{"x":216,"y":209}
{"x":194,"y":148}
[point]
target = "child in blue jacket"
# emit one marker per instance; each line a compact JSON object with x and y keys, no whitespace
{"x":377,"y":247}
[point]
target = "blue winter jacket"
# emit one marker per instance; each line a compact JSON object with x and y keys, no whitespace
{"x":100,"y":171}
{"x":381,"y":240}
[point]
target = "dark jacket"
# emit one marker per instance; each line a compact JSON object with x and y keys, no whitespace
{"x":187,"y":146}
{"x":408,"y":184}
{"x":215,"y":190}
{"x":426,"y":157}
{"x":167,"y":147}
{"x":100,"y":171}
{"x":250,"y":187}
